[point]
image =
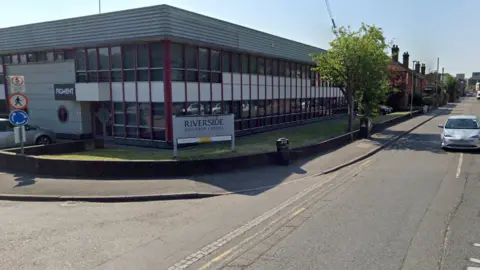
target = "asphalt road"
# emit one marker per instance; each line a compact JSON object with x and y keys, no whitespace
{"x":399,"y":209}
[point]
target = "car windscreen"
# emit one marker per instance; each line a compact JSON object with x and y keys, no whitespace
{"x":461,"y":124}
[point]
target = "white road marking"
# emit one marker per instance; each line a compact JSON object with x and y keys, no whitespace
{"x":459,"y":167}
{"x":476,"y":244}
{"x":194,"y":257}
{"x":474,"y":260}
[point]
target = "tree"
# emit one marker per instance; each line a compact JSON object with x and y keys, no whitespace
{"x":357,"y":63}
{"x":450,"y":85}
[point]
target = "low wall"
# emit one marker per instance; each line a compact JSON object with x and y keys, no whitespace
{"x":12,"y":161}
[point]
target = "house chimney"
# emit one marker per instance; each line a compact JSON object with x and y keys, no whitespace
{"x":406,"y":57}
{"x":423,"y":69}
{"x":395,"y":51}
{"x":417,"y":67}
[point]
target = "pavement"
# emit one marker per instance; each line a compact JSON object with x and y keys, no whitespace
{"x":19,"y":186}
{"x":410,"y":206}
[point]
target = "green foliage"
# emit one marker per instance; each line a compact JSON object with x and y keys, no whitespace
{"x":358,"y":63}
{"x":417,"y":99}
{"x":450,"y":85}
{"x":427,"y":101}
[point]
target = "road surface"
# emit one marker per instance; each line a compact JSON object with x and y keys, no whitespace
{"x":403,"y":208}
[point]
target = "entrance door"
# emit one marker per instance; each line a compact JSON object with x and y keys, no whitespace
{"x":98,"y":126}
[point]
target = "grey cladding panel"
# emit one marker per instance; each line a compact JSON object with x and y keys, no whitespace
{"x":109,"y":27}
{"x":42,"y":107}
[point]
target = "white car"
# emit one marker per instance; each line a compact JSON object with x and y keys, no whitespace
{"x":461,"y":132}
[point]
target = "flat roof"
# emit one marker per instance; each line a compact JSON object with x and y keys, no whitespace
{"x":149,"y":23}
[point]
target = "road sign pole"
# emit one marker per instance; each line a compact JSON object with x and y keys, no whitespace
{"x":22,"y":150}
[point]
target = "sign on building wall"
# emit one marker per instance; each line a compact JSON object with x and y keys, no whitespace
{"x":64,"y":91}
{"x":16,"y":84}
{"x":203,"y":129}
{"x":475,"y":74}
{"x":460,"y":76}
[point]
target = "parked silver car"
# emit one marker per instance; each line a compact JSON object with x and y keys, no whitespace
{"x":35,"y":135}
{"x":461,"y":132}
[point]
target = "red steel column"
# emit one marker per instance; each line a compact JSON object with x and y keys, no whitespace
{"x":167,"y":90}
{"x":135,"y":52}
{"x":5,"y":85}
{"x":149,"y":66}
{"x":123,"y":96}
{"x":112,"y":108}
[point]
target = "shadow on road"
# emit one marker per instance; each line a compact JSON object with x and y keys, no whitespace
{"x":24,"y":180}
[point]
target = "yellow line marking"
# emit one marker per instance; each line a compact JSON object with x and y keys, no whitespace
{"x":218,"y":258}
{"x":298,"y":211}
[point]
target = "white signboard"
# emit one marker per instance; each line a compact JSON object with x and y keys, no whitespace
{"x":16,"y":84}
{"x":202,"y":129}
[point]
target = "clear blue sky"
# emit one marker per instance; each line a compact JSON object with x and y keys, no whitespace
{"x":427,"y":29}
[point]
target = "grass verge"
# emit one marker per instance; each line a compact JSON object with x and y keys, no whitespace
{"x":257,"y":143}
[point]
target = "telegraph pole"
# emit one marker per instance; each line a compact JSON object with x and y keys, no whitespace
{"x":436,"y":81}
{"x":99,"y":6}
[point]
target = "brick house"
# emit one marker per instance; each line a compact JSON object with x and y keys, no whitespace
{"x":401,"y":79}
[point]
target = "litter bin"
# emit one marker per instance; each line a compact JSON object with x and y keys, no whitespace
{"x":283,"y":151}
{"x":365,"y":127}
{"x":425,"y":108}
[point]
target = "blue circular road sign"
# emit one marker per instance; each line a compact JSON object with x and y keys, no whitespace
{"x":18,"y":118}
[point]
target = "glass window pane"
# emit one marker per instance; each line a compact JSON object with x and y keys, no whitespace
{"x":215,"y":60}
{"x":268,"y":66}
{"x":23,"y":58}
{"x":261,"y":65}
{"x":129,"y":75}
{"x":50,"y":57}
{"x":103,"y":58}
{"x":142,"y":55}
{"x":142,"y":75}
{"x":235,"y":63}
{"x":158,"y":115}
{"x":203,"y":57}
{"x":41,"y":56}
{"x":204,"y":76}
{"x":92,"y":59}
{"x":192,"y":76}
{"x":226,"y":62}
{"x":116,"y":57}
{"x":177,"y":55}
{"x":81,"y":77}
{"x":103,"y":76}
{"x":1,"y":59}
{"x":287,"y":69}
{"x":275,"y":68}
{"x":244,"y":64}
{"x":144,"y":114}
{"x":178,"y":75}
{"x":191,"y":57}
{"x":59,"y":56}
{"x":7,"y":59}
{"x":92,"y":76}
{"x":80,"y":59}
{"x":116,"y":76}
{"x":156,"y":55}
{"x":216,"y":77}
{"x":14,"y":58}
{"x":31,"y":58}
{"x":128,"y":56}
{"x":156,"y":74}
{"x":253,"y":65}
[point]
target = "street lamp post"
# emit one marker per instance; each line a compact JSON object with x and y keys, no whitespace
{"x":413,"y":86}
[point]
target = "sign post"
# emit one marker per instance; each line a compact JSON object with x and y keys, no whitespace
{"x":203,"y":129}
{"x":103,"y":116}
{"x":18,"y":101}
{"x":19,"y":119}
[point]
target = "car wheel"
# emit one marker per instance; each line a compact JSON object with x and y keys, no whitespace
{"x":43,"y":140}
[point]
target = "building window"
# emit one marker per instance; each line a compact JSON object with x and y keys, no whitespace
{"x":59,"y":56}
{"x":268,"y":66}
{"x":253,"y":64}
{"x":23,"y":58}
{"x":41,"y":56}
{"x":68,"y":54}
{"x":215,"y":60}
{"x":50,"y":57}
{"x":80,"y":60}
{"x":226,"y":62}
{"x":14,"y":59}
{"x":92,"y":59}
{"x":142,"y":62}
{"x":31,"y":57}
{"x":244,"y":64}
{"x":236,"y":63}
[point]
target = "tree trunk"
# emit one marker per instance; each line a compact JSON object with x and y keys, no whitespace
{"x":351,"y":114}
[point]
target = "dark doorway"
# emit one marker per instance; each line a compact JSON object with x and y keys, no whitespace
{"x":98,"y":126}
